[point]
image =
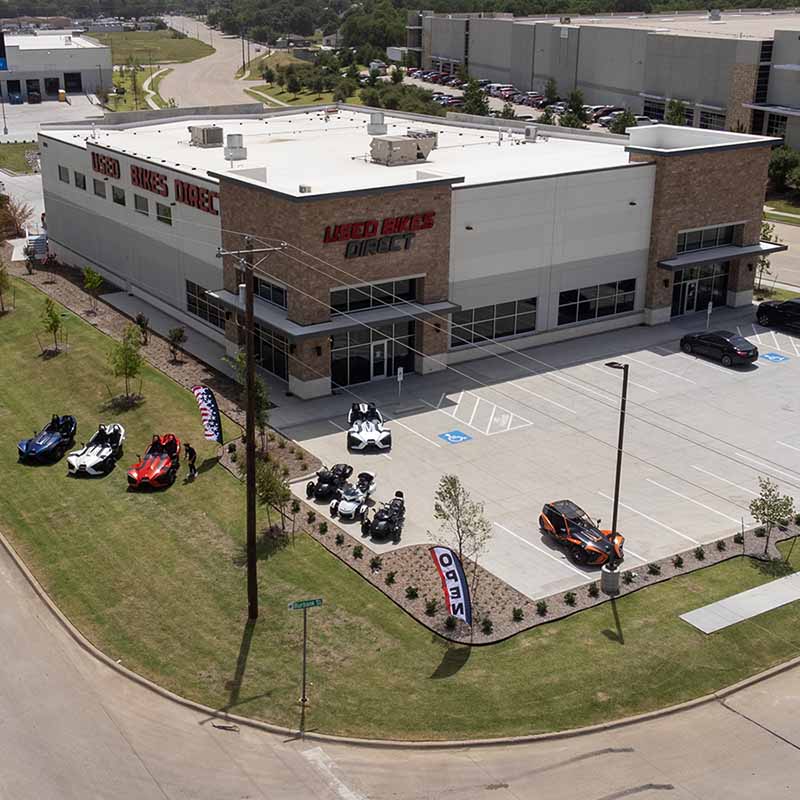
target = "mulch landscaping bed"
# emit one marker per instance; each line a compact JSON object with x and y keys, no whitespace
{"x":65,"y":285}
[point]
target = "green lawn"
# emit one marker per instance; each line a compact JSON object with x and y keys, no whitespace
{"x":303,"y":98}
{"x":784,"y":220}
{"x":161,"y":102}
{"x":775,"y":294}
{"x":130,"y":101}
{"x":789,"y":204}
{"x":156,"y":47}
{"x":156,"y":581}
{"x":12,"y":156}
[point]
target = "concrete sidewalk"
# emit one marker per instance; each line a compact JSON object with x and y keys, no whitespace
{"x":745,"y":605}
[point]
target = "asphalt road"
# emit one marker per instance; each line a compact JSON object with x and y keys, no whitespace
{"x":208,"y":81}
{"x":73,"y":728}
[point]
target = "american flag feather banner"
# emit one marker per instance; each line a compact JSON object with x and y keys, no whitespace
{"x":209,"y":413}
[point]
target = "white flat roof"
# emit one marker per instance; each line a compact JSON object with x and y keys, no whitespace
{"x":333,"y":156}
{"x":44,"y":41}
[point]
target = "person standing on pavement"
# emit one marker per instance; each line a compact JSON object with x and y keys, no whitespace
{"x":191,"y":458}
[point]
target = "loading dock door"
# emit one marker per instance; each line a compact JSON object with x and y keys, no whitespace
{"x":51,"y":86}
{"x":72,"y":82}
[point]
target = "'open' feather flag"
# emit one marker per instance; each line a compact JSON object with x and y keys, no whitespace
{"x":209,"y":413}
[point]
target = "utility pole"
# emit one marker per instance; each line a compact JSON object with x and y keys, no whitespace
{"x":244,"y":259}
{"x":241,"y":35}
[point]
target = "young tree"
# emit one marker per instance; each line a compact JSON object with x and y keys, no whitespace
{"x":770,"y":508}
{"x":267,"y":74}
{"x":508,"y":111}
{"x":143,"y":324}
{"x":763,"y":266}
{"x":397,"y":75}
{"x":317,"y":85}
{"x":463,"y":521}
{"x":675,"y":113}
{"x":575,"y":107}
{"x":569,"y":119}
{"x":16,"y":214}
{"x":551,"y":91}
{"x":92,"y":281}
{"x":475,"y":101}
{"x":125,"y":359}
{"x":547,"y":117}
{"x":372,"y":78}
{"x":280,"y":78}
{"x":343,"y":91}
{"x":352,"y":72}
{"x":51,"y":319}
{"x":622,"y":122}
{"x":293,"y":84}
{"x":272,"y":489}
{"x":5,"y":285}
{"x":782,"y":161}
{"x":176,"y":337}
{"x":262,"y":404}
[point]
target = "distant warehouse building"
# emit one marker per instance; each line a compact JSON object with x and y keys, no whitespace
{"x":44,"y":63}
{"x":735,"y":71}
{"x":411,"y":242}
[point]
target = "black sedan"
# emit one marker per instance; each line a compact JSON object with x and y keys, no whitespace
{"x":729,"y":348}
{"x":773,"y":313}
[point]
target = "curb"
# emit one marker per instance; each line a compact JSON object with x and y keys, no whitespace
{"x":290,"y":733}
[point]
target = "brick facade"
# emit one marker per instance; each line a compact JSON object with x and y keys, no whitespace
{"x":697,"y":190}
{"x":742,"y":89}
{"x":310,"y":268}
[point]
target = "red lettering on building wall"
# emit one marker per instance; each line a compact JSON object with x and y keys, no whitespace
{"x":149,"y":180}
{"x":389,"y":226}
{"x":105,"y":165}
{"x":196,"y":196}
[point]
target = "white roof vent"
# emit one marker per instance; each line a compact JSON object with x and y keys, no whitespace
{"x":205,"y":135}
{"x":376,"y":125}
{"x":234,"y":147}
{"x":531,"y":132}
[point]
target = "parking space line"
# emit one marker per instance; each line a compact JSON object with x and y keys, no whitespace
{"x":767,"y":466}
{"x":337,"y":425}
{"x":658,"y":369}
{"x":651,"y":519}
{"x":725,"y":480}
{"x":474,"y":411}
{"x":491,"y":420}
{"x":543,"y":552}
{"x":775,"y":339}
{"x":630,"y":552}
{"x":755,"y":333}
{"x":689,"y":499}
{"x":632,"y":383}
{"x":790,"y":446}
{"x":541,"y":397}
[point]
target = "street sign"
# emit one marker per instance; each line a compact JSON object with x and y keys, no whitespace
{"x":299,"y":605}
{"x":399,"y":374}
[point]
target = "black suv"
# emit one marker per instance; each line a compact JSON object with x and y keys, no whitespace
{"x":774,"y":313}
{"x":724,"y":346}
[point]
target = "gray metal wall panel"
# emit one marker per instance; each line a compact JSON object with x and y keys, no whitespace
{"x":159,"y":268}
{"x":447,"y":38}
{"x":784,"y":84}
{"x":490,"y":49}
{"x":556,"y":56}
{"x":522,"y":49}
{"x":611,"y":65}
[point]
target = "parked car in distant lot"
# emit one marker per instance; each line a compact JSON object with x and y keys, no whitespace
{"x":606,"y":120}
{"x":641,"y":121}
{"x":728,"y":348}
{"x":773,"y":313}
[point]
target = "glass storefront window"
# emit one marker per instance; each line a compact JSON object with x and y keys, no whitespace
{"x":358,"y":298}
{"x":352,"y":351}
{"x":602,"y":300}
{"x":485,"y":323}
{"x":695,"y":287}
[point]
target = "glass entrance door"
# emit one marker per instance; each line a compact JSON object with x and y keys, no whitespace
{"x":690,"y":301}
{"x":379,"y":360}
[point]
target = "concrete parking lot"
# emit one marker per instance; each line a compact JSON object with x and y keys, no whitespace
{"x":522,"y":429}
{"x":23,"y":121}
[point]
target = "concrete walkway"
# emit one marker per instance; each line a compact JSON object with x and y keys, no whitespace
{"x":745,"y":605}
{"x":149,"y":93}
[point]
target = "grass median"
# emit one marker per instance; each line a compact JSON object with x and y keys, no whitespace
{"x":152,"y":47}
{"x":12,"y":156}
{"x":157,"y":581}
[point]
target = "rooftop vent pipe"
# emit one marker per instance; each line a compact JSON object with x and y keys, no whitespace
{"x":234,"y":147}
{"x":376,"y":126}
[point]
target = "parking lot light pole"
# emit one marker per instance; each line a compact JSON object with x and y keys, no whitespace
{"x":610,"y":577}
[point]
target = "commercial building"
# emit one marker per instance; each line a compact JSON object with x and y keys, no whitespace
{"x":45,"y":62}
{"x":734,"y":70}
{"x":411,"y":241}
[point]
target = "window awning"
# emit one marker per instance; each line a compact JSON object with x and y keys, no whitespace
{"x":786,"y":111}
{"x":277,"y":318}
{"x":698,"y":257}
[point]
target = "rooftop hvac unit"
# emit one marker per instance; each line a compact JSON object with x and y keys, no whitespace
{"x":424,"y":133}
{"x":393,"y":151}
{"x":531,"y":132}
{"x":205,"y":135}
{"x":234,"y":147}
{"x":714,"y":15}
{"x":376,"y":126}
{"x":565,"y":20}
{"x":304,"y":188}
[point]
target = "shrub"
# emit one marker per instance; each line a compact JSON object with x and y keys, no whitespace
{"x":231,"y":447}
{"x":654,"y":569}
{"x":390,"y":576}
{"x":760,"y":532}
{"x":486,"y":626}
{"x":797,"y":519}
{"x":304,"y":467}
{"x":677,"y":562}
{"x":783,"y":524}
{"x":233,"y":457}
{"x":738,"y":538}
{"x":699,"y":553}
{"x":291,"y":448}
{"x":358,"y":551}
{"x":323,"y":527}
{"x":541,"y":607}
{"x":281,"y":443}
{"x":594,"y":590}
{"x":569,"y":598}
{"x":376,"y":562}
{"x":340,"y":538}
{"x":310,"y":517}
{"x":412,"y":593}
{"x":299,"y":455}
{"x":285,"y":472}
{"x":450,"y":622}
{"x":721,"y":545}
{"x":627,"y":577}
{"x":295,"y":506}
{"x":517,"y":614}
{"x":431,"y":607}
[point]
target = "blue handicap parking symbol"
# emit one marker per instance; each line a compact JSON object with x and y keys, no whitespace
{"x":775,"y":358}
{"x":455,"y":437}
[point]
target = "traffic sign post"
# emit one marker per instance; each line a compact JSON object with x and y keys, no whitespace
{"x":708,"y":313}
{"x":304,"y":605}
{"x":399,"y":380}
